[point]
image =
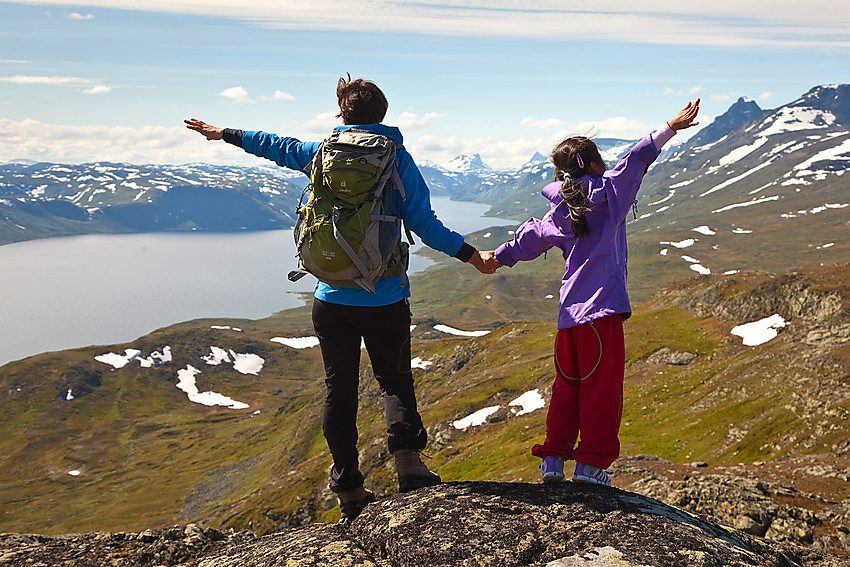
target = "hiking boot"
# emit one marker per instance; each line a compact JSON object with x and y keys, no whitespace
{"x":591,"y":474}
{"x":412,"y":472}
{"x":352,"y":502}
{"x":552,"y":469}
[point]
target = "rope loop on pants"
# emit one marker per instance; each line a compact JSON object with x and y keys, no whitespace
{"x":558,"y":364}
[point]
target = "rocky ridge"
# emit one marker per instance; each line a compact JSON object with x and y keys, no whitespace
{"x":454,"y":524}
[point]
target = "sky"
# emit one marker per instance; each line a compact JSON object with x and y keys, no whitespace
{"x":112,"y":80}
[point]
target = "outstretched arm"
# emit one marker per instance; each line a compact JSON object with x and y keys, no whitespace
{"x":685,"y":118}
{"x":209,"y":132}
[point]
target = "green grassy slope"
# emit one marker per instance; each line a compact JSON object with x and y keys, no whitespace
{"x":148,"y":457}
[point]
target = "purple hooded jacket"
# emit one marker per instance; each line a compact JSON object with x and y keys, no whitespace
{"x":594,"y":284}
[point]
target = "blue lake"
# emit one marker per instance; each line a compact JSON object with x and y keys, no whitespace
{"x":62,"y":293}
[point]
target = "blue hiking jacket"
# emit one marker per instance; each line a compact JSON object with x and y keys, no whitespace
{"x":415,"y":209}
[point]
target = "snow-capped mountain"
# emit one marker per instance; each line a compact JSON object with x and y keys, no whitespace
{"x":746,"y":164}
{"x":469,"y":164}
{"x":764,"y":156}
{"x":43,"y":199}
{"x":756,"y":188}
{"x":536,"y":159}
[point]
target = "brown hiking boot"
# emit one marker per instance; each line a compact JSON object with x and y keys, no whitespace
{"x":352,"y":502}
{"x":412,"y":472}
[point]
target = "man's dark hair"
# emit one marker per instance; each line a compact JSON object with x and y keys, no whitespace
{"x":360,"y":102}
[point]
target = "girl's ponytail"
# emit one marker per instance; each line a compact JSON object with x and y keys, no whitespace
{"x":572,"y":159}
{"x":574,"y":195}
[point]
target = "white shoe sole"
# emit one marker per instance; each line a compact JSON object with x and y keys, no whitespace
{"x":588,"y":480}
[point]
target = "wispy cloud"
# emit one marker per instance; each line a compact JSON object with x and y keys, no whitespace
{"x":236,"y":95}
{"x":78,"y":16}
{"x":410,"y":121}
{"x":98,"y":89}
{"x":616,"y":127}
{"x":46,"y":80}
{"x":278,"y":95}
{"x":772,"y":23}
{"x":30,"y":139}
{"x":692,"y":91}
{"x":545,"y":124}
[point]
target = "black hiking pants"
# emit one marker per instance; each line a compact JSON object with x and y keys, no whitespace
{"x":386,"y":333}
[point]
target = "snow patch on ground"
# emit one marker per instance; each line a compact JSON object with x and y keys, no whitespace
{"x":297,"y":342}
{"x":742,"y":151}
{"x":187,"y":383}
{"x":528,"y":402}
{"x":747,"y":204}
{"x":761,"y":331}
{"x":474,"y":419}
{"x":681,"y":244}
{"x":117,"y":360}
{"x":452,"y":331}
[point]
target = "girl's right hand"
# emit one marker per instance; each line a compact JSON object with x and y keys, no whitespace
{"x":685,"y":118}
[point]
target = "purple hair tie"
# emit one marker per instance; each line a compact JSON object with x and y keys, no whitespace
{"x":579,"y":161}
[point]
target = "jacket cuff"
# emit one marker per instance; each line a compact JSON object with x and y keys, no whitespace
{"x":662,"y":136}
{"x":503,"y":255}
{"x":465,"y":253}
{"x":232,"y":136}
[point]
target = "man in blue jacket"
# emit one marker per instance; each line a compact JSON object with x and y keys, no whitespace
{"x":342,"y":316}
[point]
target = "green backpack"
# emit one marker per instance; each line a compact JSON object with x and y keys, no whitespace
{"x":347,"y":234}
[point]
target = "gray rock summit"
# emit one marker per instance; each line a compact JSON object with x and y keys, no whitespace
{"x":454,"y":524}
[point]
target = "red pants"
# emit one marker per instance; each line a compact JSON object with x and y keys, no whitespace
{"x":587,"y":395}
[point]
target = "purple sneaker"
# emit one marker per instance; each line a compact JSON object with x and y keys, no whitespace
{"x":552,"y":469}
{"x":591,"y":474}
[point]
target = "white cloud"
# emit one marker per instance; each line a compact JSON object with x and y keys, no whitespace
{"x":78,"y":16}
{"x":765,"y":95}
{"x":771,"y":23}
{"x":409,"y":121}
{"x":617,"y":127}
{"x":720,"y":97}
{"x":678,"y":92}
{"x":60,"y":143}
{"x":278,"y":95}
{"x":99,"y":89}
{"x":319,"y":126}
{"x":52,"y":80}
{"x":237,"y":95}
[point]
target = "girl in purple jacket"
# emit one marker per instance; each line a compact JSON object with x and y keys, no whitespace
{"x":587,"y":221}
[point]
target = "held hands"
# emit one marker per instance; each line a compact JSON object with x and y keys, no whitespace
{"x":485,"y":262}
{"x":209,"y":132}
{"x":685,"y":118}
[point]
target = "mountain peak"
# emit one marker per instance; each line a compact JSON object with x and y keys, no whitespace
{"x":834,"y":99}
{"x":744,"y":110}
{"x":536,"y":159}
{"x":468,"y":164}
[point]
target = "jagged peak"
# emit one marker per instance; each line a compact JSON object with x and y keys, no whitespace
{"x":468,"y":164}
